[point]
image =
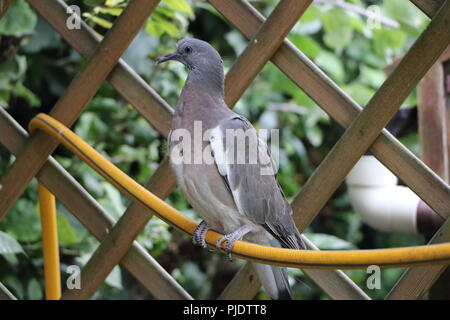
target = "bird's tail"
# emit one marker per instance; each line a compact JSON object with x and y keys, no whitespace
{"x":300,"y":242}
{"x":274,"y":280}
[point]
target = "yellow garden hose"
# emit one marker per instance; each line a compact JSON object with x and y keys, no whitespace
{"x":50,"y":244}
{"x":350,"y":259}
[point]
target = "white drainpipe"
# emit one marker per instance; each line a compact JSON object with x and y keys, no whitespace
{"x":382,"y":204}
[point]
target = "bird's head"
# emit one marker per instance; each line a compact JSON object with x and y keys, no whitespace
{"x":194,"y":54}
{"x":203,"y":61}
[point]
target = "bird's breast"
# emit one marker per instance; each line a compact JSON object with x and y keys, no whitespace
{"x":205,"y":191}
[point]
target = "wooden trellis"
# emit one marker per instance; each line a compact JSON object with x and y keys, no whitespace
{"x":267,"y":41}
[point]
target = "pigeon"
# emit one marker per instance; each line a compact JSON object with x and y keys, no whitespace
{"x":224,"y":169}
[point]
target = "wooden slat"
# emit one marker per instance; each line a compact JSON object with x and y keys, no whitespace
{"x":261,"y":47}
{"x":446,"y":65}
{"x":69,"y":106}
{"x":415,"y":282}
{"x":67,"y":190}
{"x":429,"y":7}
{"x":446,"y":55}
{"x":5,"y":294}
{"x":123,"y":78}
{"x":244,"y":285}
{"x":432,"y":121}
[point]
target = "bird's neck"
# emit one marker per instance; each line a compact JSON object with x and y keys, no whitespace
{"x":210,"y":80}
{"x":200,"y":100}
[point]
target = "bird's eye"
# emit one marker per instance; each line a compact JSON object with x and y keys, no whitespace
{"x":187,"y":50}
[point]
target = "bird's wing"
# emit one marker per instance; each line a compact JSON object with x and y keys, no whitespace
{"x":244,"y":162}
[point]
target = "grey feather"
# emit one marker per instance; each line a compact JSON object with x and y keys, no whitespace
{"x":258,"y":196}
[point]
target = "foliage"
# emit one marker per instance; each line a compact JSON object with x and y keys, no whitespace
{"x":36,"y":66}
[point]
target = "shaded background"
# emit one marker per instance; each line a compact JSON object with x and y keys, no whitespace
{"x":36,"y":66}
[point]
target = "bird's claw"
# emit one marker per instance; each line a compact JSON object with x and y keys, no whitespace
{"x":231,"y":240}
{"x":198,"y":238}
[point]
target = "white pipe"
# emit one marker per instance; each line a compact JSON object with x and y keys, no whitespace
{"x":382,"y":204}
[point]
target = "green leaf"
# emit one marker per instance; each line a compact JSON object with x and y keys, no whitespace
{"x":91,"y":182}
{"x":388,"y":40}
{"x":193,"y":279}
{"x":19,"y":20}
{"x":167,"y":26}
{"x":8,"y":244}
{"x":104,"y":104}
{"x":113,"y":3}
{"x":314,"y":135}
{"x":90,"y":127}
{"x":306,"y":44}
{"x":179,"y":5}
{"x":404,"y":12}
{"x":310,"y":22}
{"x":20,"y":90}
{"x":4,"y":98}
{"x":312,"y":13}
{"x":43,"y":38}
{"x":100,"y":21}
{"x":11,"y":258}
{"x":357,"y":23}
{"x":94,"y":3}
{"x":14,"y":284}
{"x":361,"y":50}
{"x":332,"y":65}
{"x":112,"y":200}
{"x":166,"y":12}
{"x":372,"y":77}
{"x":359,"y":92}
{"x":14,"y":69}
{"x":66,"y":234}
{"x":24,"y":222}
{"x":34,"y":290}
{"x":338,"y":29}
{"x":154,"y":28}
{"x":155,"y":237}
{"x":112,"y":11}
{"x":282,"y":84}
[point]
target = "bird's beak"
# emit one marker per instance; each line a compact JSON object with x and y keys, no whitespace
{"x":169,"y":56}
